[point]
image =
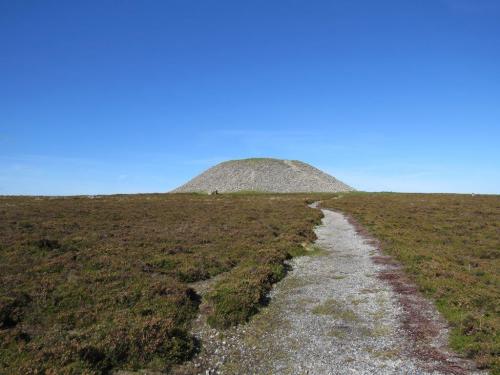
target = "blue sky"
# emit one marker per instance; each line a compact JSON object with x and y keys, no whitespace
{"x":139,"y":96}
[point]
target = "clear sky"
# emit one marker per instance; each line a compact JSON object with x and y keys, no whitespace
{"x":139,"y":96}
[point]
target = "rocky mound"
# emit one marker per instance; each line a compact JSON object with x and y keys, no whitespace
{"x":264,"y":175}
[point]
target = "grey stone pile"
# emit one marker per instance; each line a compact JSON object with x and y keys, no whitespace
{"x":263,"y":175}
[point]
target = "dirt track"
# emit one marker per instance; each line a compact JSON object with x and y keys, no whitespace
{"x":345,"y":309}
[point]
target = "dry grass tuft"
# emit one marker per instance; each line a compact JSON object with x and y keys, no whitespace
{"x":336,"y":310}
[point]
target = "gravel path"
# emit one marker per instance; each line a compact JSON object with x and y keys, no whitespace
{"x":340,"y":310}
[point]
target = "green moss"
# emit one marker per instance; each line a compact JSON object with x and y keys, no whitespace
{"x":313,"y":250}
{"x":338,"y":277}
{"x":336,"y":310}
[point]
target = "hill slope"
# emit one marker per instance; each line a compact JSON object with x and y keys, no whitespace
{"x":265,"y":175}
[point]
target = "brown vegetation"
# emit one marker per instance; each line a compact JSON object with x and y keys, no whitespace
{"x":92,"y":284}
